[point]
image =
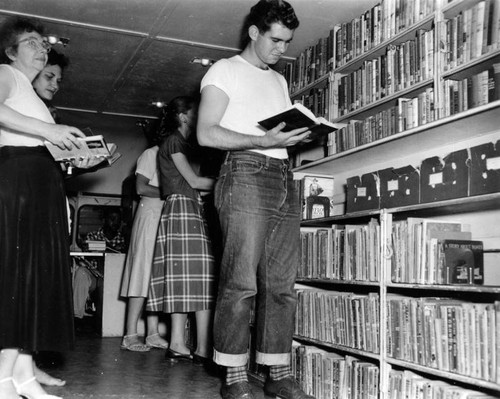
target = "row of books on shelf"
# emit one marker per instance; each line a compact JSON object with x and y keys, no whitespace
{"x":471,"y":33}
{"x":401,"y":67}
{"x":328,"y":375}
{"x":467,"y":172}
{"x":377,"y":25}
{"x":318,"y":100}
{"x":405,"y":384}
{"x":310,"y":65}
{"x":473,"y":91}
{"x":429,"y":251}
{"x":352,"y":39}
{"x":446,"y":334}
{"x":341,"y":252}
{"x":407,"y":113}
{"x":340,"y":318}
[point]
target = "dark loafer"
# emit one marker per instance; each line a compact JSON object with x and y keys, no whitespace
{"x":238,"y":390}
{"x":286,"y":388}
{"x":173,"y":355}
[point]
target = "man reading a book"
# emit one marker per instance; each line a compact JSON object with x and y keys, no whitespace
{"x":257,"y":201}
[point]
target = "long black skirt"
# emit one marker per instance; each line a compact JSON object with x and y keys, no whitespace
{"x":36,"y":311}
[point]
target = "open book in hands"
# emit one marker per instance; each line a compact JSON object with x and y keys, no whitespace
{"x":298,"y":116}
{"x":91,"y":147}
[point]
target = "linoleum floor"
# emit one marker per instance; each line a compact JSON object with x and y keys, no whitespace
{"x":98,"y":369}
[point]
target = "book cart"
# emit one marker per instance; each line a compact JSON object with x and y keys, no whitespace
{"x":410,"y":90}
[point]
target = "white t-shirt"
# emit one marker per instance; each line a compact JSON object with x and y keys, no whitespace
{"x":25,"y":101}
{"x":254,"y":94}
{"x":147,"y":165}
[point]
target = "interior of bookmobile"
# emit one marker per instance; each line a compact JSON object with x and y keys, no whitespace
{"x":399,"y":277}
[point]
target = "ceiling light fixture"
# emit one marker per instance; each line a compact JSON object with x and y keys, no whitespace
{"x":158,"y":104}
{"x":203,"y":61}
{"x":53,"y":39}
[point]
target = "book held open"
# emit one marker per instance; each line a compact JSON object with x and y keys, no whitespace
{"x":298,"y":116}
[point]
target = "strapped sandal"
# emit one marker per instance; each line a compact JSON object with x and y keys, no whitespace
{"x":27,"y":395}
{"x":156,"y":341}
{"x":131,"y":343}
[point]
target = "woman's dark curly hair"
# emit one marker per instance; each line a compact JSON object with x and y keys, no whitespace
{"x":10,"y":31}
{"x":265,"y":13}
{"x":56,"y":58}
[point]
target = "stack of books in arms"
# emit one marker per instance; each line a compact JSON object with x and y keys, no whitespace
{"x":96,"y":245}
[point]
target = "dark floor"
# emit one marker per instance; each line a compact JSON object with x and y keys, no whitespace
{"x":98,"y":369}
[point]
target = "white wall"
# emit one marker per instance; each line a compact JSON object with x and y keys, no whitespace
{"x":122,"y":131}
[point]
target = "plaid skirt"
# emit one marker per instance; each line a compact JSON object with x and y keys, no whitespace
{"x":183,"y":273}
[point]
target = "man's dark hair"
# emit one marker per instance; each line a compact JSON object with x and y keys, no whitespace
{"x":265,"y":13}
{"x":10,"y":31}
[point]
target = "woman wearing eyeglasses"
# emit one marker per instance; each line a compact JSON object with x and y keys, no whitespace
{"x":35,"y":284}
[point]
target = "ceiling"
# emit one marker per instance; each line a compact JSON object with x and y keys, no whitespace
{"x":124,"y":54}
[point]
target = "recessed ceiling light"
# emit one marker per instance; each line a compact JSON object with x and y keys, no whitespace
{"x":158,"y":104}
{"x":203,"y":61}
{"x":54,"y":39}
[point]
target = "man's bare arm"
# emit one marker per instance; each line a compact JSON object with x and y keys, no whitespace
{"x":210,"y":134}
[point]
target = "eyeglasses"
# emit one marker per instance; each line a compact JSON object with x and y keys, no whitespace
{"x":35,"y":44}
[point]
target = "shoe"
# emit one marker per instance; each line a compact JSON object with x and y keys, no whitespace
{"x":286,"y":388}
{"x":170,"y":354}
{"x":155,"y":341}
{"x":23,"y":388}
{"x":131,"y":343}
{"x":238,"y":390}
{"x":11,"y":380}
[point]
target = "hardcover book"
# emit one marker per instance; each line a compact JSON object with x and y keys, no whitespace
{"x":298,"y":116}
{"x":91,"y":146}
{"x":317,"y":195}
{"x":462,"y":261}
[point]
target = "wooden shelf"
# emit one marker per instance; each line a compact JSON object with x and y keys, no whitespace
{"x":342,"y":348}
{"x":448,"y":288}
{"x":445,"y":374}
{"x":453,"y":129}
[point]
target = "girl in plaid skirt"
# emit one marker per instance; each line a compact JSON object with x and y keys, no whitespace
{"x":183,"y":273}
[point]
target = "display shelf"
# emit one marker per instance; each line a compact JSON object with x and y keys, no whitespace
{"x":445,"y":374}
{"x":338,"y":282}
{"x":476,"y":65}
{"x":384,"y":102}
{"x":310,"y":86}
{"x":448,"y":288}
{"x":472,"y":123}
{"x":408,"y":34}
{"x":438,"y":138}
{"x":342,"y":348}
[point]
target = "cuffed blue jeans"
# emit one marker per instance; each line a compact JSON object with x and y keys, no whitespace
{"x":259,"y":211}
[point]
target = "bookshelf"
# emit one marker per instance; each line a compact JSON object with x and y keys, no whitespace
{"x":461,"y":117}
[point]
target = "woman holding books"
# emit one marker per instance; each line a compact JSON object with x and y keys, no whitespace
{"x":183,"y":273}
{"x":35,"y":281}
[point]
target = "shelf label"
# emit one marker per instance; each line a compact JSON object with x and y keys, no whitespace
{"x":436,"y":178}
{"x":393,"y":185}
{"x":493,"y":163}
{"x":361,"y":192}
